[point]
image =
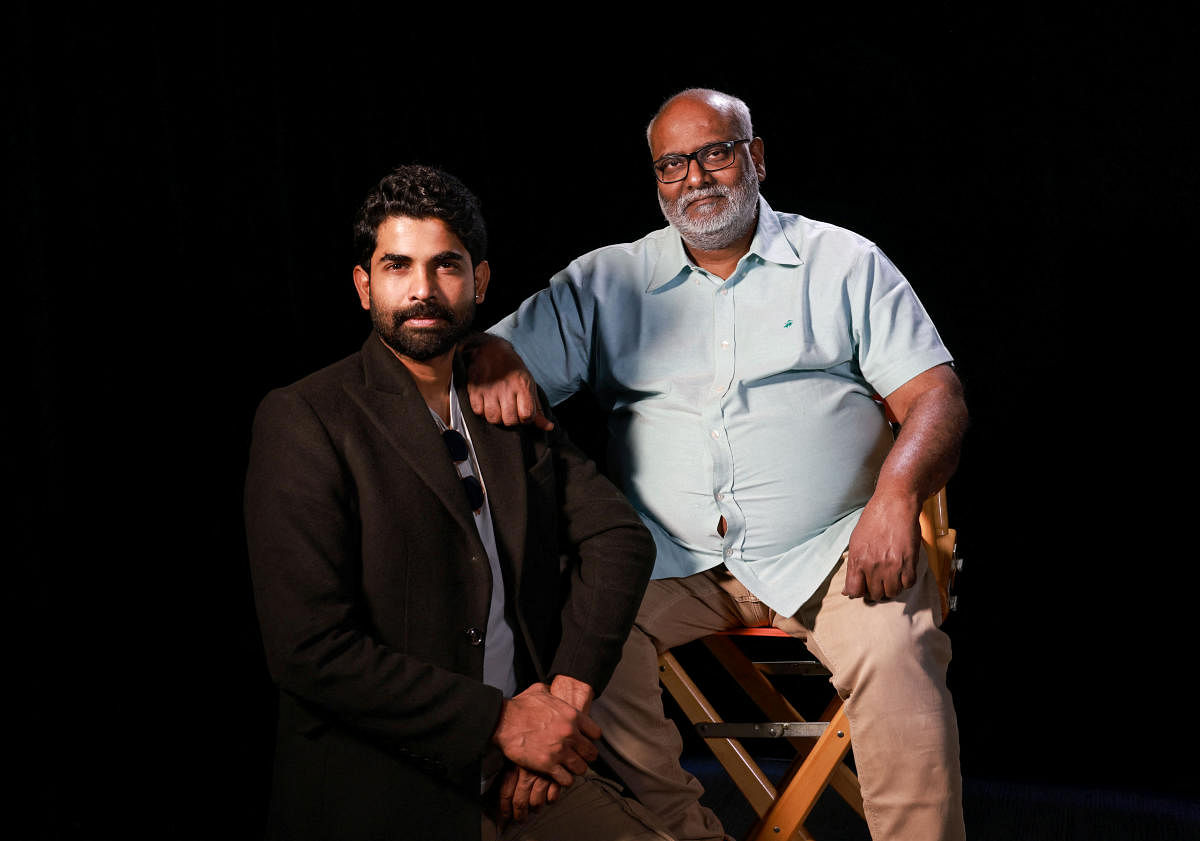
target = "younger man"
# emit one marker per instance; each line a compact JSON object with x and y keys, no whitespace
{"x":414,"y":567}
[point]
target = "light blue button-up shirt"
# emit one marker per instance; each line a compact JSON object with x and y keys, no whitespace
{"x":748,"y":398}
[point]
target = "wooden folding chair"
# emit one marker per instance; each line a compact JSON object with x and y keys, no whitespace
{"x":821,"y":746}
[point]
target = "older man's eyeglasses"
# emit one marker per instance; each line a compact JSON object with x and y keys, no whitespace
{"x":711,"y":157}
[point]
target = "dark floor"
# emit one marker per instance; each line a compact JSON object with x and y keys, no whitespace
{"x":995,"y":811}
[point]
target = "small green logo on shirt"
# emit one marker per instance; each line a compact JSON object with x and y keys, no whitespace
{"x":787,"y":323}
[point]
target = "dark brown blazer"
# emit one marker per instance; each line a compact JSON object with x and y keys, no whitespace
{"x":372,"y":589}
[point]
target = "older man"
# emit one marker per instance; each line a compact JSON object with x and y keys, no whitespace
{"x":738,"y":351}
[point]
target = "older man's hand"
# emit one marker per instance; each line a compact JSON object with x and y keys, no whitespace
{"x":881,"y":559}
{"x":499,"y":385}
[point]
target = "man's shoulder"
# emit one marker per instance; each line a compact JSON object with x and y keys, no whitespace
{"x":628,"y":253}
{"x":320,"y":389}
{"x":829,"y":253}
{"x":333,"y":376}
{"x":804,"y":231}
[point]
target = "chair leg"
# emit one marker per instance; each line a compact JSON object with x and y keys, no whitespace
{"x":744,"y":771}
{"x":778,"y":708}
{"x":796,"y":799}
{"x":754,"y":682}
{"x":843,"y":780}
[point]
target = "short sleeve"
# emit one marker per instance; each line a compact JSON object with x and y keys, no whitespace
{"x":896,"y":338}
{"x":552,"y":331}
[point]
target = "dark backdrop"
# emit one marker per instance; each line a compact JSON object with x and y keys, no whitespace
{"x":181,"y":186}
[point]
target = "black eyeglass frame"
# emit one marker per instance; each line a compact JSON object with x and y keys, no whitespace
{"x":730,"y":145}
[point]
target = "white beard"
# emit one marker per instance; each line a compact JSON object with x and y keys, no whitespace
{"x":719,"y":228}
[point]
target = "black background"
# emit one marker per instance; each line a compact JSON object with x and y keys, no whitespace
{"x":181,"y":186}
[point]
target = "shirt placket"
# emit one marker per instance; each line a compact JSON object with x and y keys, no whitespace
{"x":715,"y":407}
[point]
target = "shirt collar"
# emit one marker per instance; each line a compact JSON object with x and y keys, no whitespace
{"x":770,"y":244}
{"x":456,"y":418}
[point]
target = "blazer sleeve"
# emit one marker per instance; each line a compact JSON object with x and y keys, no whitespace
{"x":303,"y":534}
{"x":614,"y":556}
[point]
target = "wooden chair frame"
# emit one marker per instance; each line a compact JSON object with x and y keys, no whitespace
{"x":821,"y":746}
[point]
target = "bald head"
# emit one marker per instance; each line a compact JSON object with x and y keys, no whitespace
{"x":729,"y":109}
{"x":713,"y":207}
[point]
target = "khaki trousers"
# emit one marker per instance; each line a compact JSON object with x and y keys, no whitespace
{"x":888,"y":662}
{"x":590,"y":809}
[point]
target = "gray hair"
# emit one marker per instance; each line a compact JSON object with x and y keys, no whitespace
{"x":737,"y":110}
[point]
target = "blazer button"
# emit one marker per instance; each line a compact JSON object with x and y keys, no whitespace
{"x":474,"y":636}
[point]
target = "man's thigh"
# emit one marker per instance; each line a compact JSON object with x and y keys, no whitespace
{"x":675,"y":611}
{"x":592,"y":809}
{"x":848,"y":635}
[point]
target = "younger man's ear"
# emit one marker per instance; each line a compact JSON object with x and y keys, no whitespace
{"x":362,"y":283}
{"x":483,"y":273}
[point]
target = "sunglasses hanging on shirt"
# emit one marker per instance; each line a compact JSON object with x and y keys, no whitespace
{"x":456,"y":445}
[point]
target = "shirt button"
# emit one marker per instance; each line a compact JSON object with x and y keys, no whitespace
{"x":716,"y":433}
{"x":474,"y":636}
{"x":724,"y":344}
{"x":720,"y":497}
{"x":724,"y":291}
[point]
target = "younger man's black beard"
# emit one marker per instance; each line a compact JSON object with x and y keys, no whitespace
{"x":427,"y":344}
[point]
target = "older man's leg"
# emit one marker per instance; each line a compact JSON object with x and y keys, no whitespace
{"x":640,"y":743}
{"x":888,"y":661}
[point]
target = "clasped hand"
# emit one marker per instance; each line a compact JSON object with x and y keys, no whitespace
{"x":548,"y":740}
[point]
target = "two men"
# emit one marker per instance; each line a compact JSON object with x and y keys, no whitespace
{"x":738,"y":352}
{"x":440,"y":598}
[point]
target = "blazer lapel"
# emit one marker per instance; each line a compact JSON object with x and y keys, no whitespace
{"x":391,"y":400}
{"x":498,"y":451}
